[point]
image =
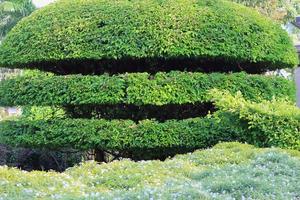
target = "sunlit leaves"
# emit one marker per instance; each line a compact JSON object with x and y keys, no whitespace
{"x":106,"y":32}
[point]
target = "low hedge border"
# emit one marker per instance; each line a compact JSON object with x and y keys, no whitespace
{"x":138,"y":88}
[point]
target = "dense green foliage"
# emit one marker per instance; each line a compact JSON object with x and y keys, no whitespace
{"x":138,"y":113}
{"x":139,"y":88}
{"x":156,"y":37}
{"x":253,"y":180}
{"x":113,"y":135}
{"x":11,"y":11}
{"x":94,"y":36}
{"x":268,"y":123}
{"x":228,"y":171}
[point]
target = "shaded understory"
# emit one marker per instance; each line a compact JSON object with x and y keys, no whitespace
{"x":137,"y":113}
{"x":153,"y":65}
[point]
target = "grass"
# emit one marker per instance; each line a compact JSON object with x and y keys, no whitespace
{"x":227,"y":171}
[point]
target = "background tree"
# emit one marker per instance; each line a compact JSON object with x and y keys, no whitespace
{"x":281,"y":10}
{"x":12,"y":11}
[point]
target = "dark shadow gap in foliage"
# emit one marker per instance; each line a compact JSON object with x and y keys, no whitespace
{"x":137,"y":113}
{"x":150,"y":154}
{"x":152,"y":66}
{"x":30,"y":159}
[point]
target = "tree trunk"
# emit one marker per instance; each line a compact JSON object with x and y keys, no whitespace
{"x":99,"y":155}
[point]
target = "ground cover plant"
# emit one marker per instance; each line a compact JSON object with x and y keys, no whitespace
{"x":227,"y":171}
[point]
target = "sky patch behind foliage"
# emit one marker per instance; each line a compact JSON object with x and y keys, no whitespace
{"x":41,"y":3}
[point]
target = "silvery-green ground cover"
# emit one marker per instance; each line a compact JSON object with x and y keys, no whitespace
{"x":227,"y":171}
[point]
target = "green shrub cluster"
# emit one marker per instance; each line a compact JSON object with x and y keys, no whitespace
{"x":267,"y":123}
{"x":92,"y":36}
{"x":227,"y":171}
{"x":139,"y":88}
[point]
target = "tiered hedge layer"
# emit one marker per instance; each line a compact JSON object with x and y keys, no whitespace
{"x":115,"y":134}
{"x":269,"y":123}
{"x":138,"y":89}
{"x":126,"y":35}
{"x":120,"y":135}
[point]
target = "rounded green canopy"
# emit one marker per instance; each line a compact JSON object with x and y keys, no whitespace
{"x":94,"y":36}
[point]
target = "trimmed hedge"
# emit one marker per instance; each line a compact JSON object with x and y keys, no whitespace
{"x":265,"y":124}
{"x":172,"y":136}
{"x":94,"y":36}
{"x":114,"y":135}
{"x":139,"y":88}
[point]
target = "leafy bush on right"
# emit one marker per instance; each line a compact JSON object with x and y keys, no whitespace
{"x":265,"y":124}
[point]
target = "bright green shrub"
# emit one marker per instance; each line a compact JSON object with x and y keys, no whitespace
{"x":271,"y":123}
{"x":139,"y":88}
{"x":223,"y":154}
{"x":42,"y":113}
{"x":265,"y":124}
{"x":150,"y":35}
{"x":223,"y":172}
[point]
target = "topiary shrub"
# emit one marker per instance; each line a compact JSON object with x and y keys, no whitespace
{"x":264,"y":124}
{"x":150,"y":35}
{"x":139,"y":115}
{"x":139,"y":89}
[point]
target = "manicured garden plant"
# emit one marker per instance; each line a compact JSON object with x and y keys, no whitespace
{"x":133,"y":76}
